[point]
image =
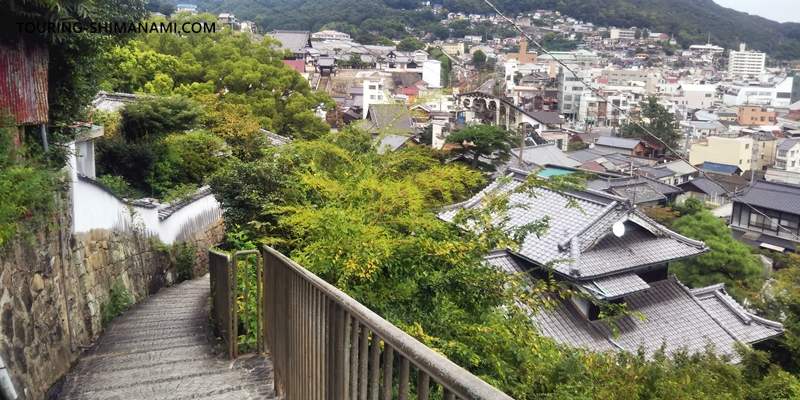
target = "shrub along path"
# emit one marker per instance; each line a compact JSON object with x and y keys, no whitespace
{"x":162,"y":349}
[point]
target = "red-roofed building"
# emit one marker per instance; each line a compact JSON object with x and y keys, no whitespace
{"x":297,"y":65}
{"x":593,"y":166}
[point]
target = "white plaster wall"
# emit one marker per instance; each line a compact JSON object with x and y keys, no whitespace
{"x":95,"y":208}
{"x":170,"y":228}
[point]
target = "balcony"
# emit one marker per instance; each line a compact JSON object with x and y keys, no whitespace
{"x":323,"y":343}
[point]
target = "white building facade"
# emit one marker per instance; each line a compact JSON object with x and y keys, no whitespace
{"x":746,"y":63}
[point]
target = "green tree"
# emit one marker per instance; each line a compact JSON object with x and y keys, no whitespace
{"x":637,"y":34}
{"x":159,"y":116}
{"x":575,"y":146}
{"x":658,"y":122}
{"x":728,"y":261}
{"x":780,"y":301}
{"x":663,"y":215}
{"x":479,"y":58}
{"x":488,"y":141}
{"x":241,"y":70}
{"x":410,"y":44}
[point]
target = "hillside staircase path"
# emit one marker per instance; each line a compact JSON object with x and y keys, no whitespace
{"x":162,"y":348}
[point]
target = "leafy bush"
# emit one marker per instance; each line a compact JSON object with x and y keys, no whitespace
{"x":185,"y":260}
{"x":119,"y":185}
{"x":159,"y":116}
{"x":26,"y":188}
{"x":119,"y":301}
{"x":182,"y":192}
{"x":729,"y":260}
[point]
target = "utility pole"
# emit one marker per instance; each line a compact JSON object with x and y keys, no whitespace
{"x":521,"y":130}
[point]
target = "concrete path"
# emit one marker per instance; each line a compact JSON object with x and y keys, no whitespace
{"x":162,"y":349}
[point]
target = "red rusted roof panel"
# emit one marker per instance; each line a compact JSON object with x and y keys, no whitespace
{"x":23,"y":82}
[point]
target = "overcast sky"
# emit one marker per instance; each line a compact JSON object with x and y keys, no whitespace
{"x":776,"y":10}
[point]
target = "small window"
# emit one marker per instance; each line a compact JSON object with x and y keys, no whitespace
{"x":371,"y":87}
{"x":708,"y":95}
{"x":372,"y":96}
{"x":740,"y":161}
{"x":747,"y":146}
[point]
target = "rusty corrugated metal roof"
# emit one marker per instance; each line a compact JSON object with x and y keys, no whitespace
{"x":23,"y":82}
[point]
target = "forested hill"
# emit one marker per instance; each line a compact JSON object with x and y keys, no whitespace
{"x":690,"y":21}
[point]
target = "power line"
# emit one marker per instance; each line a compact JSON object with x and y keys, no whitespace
{"x":599,"y":93}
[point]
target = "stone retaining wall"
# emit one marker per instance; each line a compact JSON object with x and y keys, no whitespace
{"x":35,"y":335}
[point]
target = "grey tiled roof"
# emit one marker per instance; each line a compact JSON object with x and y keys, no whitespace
{"x":787,"y":144}
{"x":292,"y":40}
{"x":674,"y":317}
{"x":391,"y":143}
{"x":705,"y":185}
{"x":773,"y":195}
{"x":543,"y":154}
{"x":503,"y":260}
{"x":638,"y":193}
{"x":583,"y":234}
{"x":743,"y":325}
{"x":111,"y":102}
{"x":392,"y":118}
{"x":585,"y":155}
{"x":658,"y":173}
{"x":615,"y":286}
{"x":661,"y":187}
{"x":275,"y":139}
{"x":545,"y":117}
{"x":621,"y":143}
{"x":167,"y":209}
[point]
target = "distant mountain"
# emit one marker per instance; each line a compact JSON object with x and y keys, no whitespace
{"x":689,"y":21}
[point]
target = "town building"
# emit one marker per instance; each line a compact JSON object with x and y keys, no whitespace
{"x":694,"y":96}
{"x":570,"y":90}
{"x":330,"y":34}
{"x":757,"y":115}
{"x":192,"y":8}
{"x":788,"y":157}
{"x":523,"y":56}
{"x":777,"y":93}
{"x":627,"y":34}
{"x":611,"y":252}
{"x":767,"y":215}
{"x":729,"y":151}
{"x":744,"y":63}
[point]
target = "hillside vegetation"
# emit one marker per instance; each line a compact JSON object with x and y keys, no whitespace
{"x":690,"y":21}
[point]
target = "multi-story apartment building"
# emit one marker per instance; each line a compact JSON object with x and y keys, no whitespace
{"x":746,"y":63}
{"x":788,"y":157}
{"x":736,"y":151}
{"x":570,"y":90}
{"x":756,"y":115}
{"x":622,"y":33}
